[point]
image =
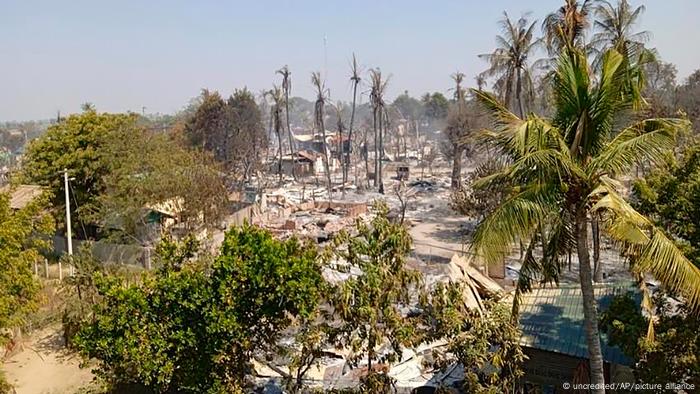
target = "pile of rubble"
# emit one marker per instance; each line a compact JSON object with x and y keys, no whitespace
{"x":318,"y":220}
{"x":413,"y":370}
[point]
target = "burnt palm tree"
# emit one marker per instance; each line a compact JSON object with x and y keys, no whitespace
{"x":338,"y":107}
{"x":376,"y":99}
{"x":286,"y":88}
{"x":276,"y":122}
{"x":566,"y":27}
{"x":355,"y":81}
{"x":509,"y":63}
{"x":457,"y":127}
{"x":615,"y":29}
{"x":319,"y":115}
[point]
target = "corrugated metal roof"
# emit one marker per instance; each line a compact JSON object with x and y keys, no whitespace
{"x":551,"y":319}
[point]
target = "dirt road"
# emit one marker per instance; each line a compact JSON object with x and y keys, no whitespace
{"x":44,"y":366}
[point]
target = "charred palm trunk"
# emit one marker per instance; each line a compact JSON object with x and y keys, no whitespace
{"x":289,"y":133}
{"x":346,"y":163}
{"x":457,"y":166}
{"x":376,"y":147}
{"x":365,"y":151}
{"x":381,"y":151}
{"x":339,"y":152}
{"x":275,"y":123}
{"x":279,"y":160}
{"x":326,"y":167}
{"x":590,"y":313}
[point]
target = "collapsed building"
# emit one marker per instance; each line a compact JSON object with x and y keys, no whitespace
{"x":413,"y":371}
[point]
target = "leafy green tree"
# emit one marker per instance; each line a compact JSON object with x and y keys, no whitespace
{"x":78,"y":144}
{"x":671,"y":355}
{"x":22,"y":240}
{"x":369,"y":304}
{"x":565,"y":170}
{"x":192,"y":327}
{"x":485,"y":343}
{"x":150,"y":169}
{"x":258,"y":284}
{"x":614,"y":28}
{"x":409,"y":107}
{"x":118,"y":168}
{"x":670,"y":195}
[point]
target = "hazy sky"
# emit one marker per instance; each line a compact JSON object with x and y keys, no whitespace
{"x":122,"y":55}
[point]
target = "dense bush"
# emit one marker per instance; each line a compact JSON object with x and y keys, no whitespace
{"x":193,"y":328}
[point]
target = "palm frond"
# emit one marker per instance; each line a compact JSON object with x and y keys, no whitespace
{"x":654,"y":252}
{"x":516,"y":218}
{"x":529,"y":270}
{"x":500,"y":114}
{"x":648,"y":140}
{"x":662,"y":258}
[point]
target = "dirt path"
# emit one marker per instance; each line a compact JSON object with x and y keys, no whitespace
{"x":45,"y":366}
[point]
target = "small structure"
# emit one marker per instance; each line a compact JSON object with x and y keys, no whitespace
{"x":402,"y":171}
{"x":554,"y":339}
{"x":302,"y":163}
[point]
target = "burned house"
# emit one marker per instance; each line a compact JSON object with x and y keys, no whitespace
{"x":302,"y":163}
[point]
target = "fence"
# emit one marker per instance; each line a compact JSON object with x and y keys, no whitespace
{"x":123,"y":254}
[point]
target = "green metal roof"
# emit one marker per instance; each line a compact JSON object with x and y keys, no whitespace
{"x":551,"y":319}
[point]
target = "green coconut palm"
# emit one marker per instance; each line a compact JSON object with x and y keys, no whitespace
{"x":565,"y":170}
{"x":509,"y":63}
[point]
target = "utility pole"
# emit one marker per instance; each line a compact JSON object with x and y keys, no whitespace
{"x":69,"y":235}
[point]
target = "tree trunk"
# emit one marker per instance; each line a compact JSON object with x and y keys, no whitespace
{"x":346,"y":163}
{"x":419,"y":147}
{"x":518,"y":94}
{"x":590,"y":313}
{"x":381,"y":150}
{"x":289,"y":133}
{"x":597,"y":268}
{"x":326,"y":165}
{"x":376,"y":148}
{"x":279,"y":161}
{"x":366,"y":154}
{"x":457,"y":166}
